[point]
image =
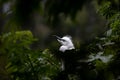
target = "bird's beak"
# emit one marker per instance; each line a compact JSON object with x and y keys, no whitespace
{"x":58,"y":38}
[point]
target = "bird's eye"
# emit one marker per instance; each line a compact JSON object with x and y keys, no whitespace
{"x":63,"y":40}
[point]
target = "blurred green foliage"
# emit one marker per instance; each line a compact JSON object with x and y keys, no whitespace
{"x":23,"y":62}
{"x":108,"y":44}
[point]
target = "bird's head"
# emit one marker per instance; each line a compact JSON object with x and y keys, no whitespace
{"x":66,"y":42}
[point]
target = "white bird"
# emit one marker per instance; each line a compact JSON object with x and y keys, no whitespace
{"x":66,"y":42}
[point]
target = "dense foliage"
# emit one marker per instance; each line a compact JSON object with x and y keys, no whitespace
{"x":105,"y":51}
{"x":23,"y":62}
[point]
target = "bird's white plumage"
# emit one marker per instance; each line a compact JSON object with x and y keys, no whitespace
{"x":66,"y":43}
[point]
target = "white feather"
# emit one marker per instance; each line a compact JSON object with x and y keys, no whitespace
{"x":66,"y":43}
